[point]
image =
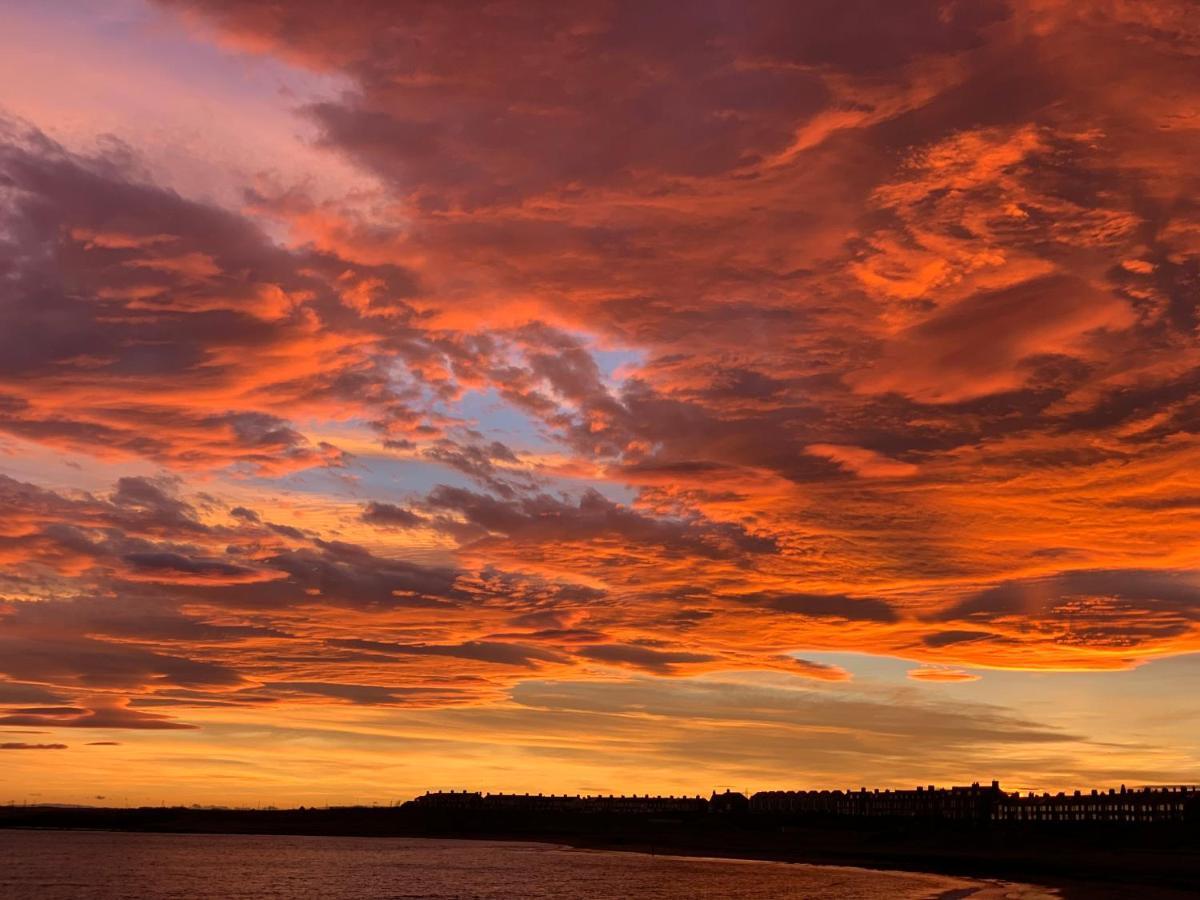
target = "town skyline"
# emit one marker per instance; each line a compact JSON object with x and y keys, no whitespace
{"x":34,"y":798}
{"x":476,"y":811}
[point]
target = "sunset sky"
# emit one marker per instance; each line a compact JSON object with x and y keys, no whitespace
{"x":597,"y":397}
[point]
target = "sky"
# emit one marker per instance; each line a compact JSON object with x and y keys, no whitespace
{"x":596,"y":397}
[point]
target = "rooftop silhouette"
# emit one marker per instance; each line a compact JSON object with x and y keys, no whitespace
{"x":974,"y":802}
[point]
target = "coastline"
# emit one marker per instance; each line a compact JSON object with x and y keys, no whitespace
{"x":1012,"y":886}
{"x":1084,"y":864}
{"x":981,"y":888}
{"x":987,"y":889}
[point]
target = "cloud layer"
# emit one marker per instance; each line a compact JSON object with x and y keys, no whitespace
{"x":653,"y":340}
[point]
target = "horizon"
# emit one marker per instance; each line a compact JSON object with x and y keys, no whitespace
{"x":596,"y":394}
{"x":600,"y":795}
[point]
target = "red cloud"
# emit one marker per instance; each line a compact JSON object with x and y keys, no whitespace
{"x":944,"y":674}
{"x":669,"y":339}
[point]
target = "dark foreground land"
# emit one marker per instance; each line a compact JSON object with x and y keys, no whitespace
{"x":1084,"y":861}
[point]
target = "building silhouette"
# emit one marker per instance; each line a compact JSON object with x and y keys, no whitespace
{"x":1163,"y":804}
{"x":632,"y":804}
{"x":971,"y":803}
{"x":974,"y":803}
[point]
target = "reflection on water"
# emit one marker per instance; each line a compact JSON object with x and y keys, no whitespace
{"x":57,"y":865}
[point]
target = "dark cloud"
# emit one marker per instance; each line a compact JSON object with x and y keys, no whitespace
{"x":100,"y":717}
{"x":346,"y":574}
{"x":154,"y":502}
{"x":1102,"y":607}
{"x":69,"y":659}
{"x":829,"y":605}
{"x":287,"y":531}
{"x":14,"y":692}
{"x":663,"y":662}
{"x":113,"y":280}
{"x":372,"y":695}
{"x":125,"y":618}
{"x":947,"y":638}
{"x":389,"y":515}
{"x":544,"y":518}
{"x":496,"y":652}
{"x":606,"y":112}
{"x":1176,"y":590}
{"x":479,"y":462}
{"x":175,"y":564}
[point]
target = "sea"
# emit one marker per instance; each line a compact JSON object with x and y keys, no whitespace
{"x":94,"y":865}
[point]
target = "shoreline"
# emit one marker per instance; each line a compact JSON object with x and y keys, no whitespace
{"x":985,"y":888}
{"x":988,"y":889}
{"x":1080,"y":865}
{"x":1011,"y":886}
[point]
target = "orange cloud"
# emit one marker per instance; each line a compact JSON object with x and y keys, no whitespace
{"x":659,"y":344}
{"x":863,"y":462}
{"x":944,"y":674}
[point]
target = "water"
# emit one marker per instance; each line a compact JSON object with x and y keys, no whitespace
{"x":67,"y":865}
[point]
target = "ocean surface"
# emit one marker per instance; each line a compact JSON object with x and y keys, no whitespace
{"x":75,"y":865}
